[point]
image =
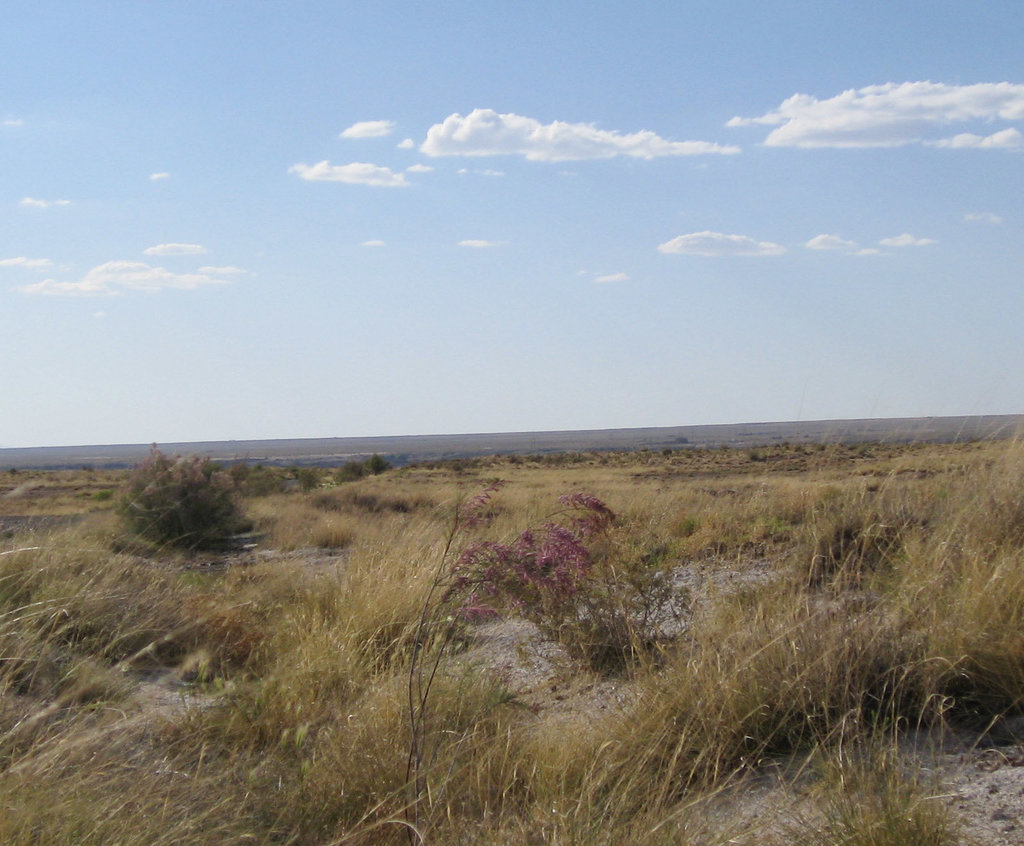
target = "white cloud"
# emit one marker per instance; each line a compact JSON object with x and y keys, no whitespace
{"x":1006,"y":139}
{"x":479,"y":244}
{"x":175,"y":250}
{"x":14,"y":122}
{"x":462,"y":171}
{"x":983,"y":217}
{"x":419,"y":168}
{"x":369,"y":129}
{"x":33,"y":202}
{"x":227,"y":270}
{"x":868,"y":251}
{"x":116,"y":277}
{"x":406,"y":144}
{"x":888,"y":115}
{"x":719,"y":244}
{"x":22,"y":261}
{"x":356,"y":173}
{"x":613,"y":277}
{"x":906,"y":240}
{"x":163,"y":174}
{"x":830,"y":242}
{"x":374,"y":243}
{"x":484,"y":132}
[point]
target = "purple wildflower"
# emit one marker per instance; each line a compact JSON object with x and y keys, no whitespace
{"x":542,"y":565}
{"x":472,"y":511}
{"x":597,"y":516}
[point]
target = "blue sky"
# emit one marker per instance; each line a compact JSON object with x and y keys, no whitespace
{"x":253,"y":220}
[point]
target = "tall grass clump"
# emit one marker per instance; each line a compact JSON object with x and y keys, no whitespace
{"x":180,"y":501}
{"x":869,"y":797}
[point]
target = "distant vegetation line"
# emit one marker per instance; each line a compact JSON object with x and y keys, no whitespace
{"x":407,"y":449}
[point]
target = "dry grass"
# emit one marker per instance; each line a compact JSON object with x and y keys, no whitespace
{"x":56,"y":492}
{"x":145,"y":699}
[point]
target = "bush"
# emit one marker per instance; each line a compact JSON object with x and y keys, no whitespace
{"x":350,"y":471}
{"x":308,"y":478}
{"x":257,"y":480}
{"x":181,"y":501}
{"x":578,"y":583}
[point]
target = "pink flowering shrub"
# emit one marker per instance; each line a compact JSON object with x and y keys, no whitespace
{"x":569,"y":577}
{"x":186,"y":502}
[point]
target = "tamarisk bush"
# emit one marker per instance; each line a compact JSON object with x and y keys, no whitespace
{"x":538,"y":569}
{"x":181,"y":501}
{"x":573,"y":579}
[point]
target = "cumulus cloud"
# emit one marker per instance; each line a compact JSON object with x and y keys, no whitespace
{"x":983,"y":217}
{"x":356,"y":173}
{"x":375,"y":243}
{"x":406,"y":144}
{"x":419,"y":168}
{"x":906,"y":240}
{"x":484,"y":132}
{"x":35,"y":203}
{"x":175,"y":250}
{"x":613,"y":277}
{"x":117,"y":277}
{"x":227,"y":270}
{"x":479,"y":244}
{"x":369,"y":129}
{"x":719,"y":244}
{"x":156,"y":177}
{"x":889,"y":115}
{"x":830,"y":242}
{"x":22,"y":261}
{"x":1005,"y":139}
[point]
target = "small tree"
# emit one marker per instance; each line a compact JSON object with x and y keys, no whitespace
{"x":183,"y":501}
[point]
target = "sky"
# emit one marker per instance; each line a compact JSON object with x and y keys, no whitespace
{"x":240,"y":220}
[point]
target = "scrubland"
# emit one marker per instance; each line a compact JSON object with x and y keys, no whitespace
{"x":763,"y":646}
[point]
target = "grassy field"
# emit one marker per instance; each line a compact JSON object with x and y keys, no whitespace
{"x":677,"y":647}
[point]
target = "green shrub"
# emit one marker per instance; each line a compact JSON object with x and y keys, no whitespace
{"x":350,"y":471}
{"x":308,"y":478}
{"x":257,"y":480}
{"x":182,"y":501}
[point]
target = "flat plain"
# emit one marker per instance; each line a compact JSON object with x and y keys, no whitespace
{"x":406,"y":449}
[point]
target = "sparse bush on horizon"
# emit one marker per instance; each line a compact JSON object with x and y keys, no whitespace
{"x":352,"y":470}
